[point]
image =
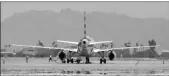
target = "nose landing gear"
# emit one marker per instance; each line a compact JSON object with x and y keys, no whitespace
{"x":87,"y":60}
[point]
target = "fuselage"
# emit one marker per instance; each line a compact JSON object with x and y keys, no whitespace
{"x":85,"y":48}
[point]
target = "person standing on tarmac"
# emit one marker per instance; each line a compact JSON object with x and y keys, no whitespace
{"x":26,"y":58}
{"x":50,"y":58}
{"x":3,"y":60}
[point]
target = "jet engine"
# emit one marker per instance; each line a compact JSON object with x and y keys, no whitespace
{"x":111,"y":55}
{"x":62,"y":55}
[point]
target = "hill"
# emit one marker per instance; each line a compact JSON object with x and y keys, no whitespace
{"x":48,"y":26}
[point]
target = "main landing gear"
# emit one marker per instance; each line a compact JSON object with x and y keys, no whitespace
{"x":78,"y":61}
{"x":70,"y":60}
{"x":63,"y":61}
{"x":102,"y":60}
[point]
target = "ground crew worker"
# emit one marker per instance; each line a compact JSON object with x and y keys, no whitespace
{"x":26,"y":58}
{"x":121,"y":55}
{"x":50,"y":57}
{"x":3,"y":61}
{"x":5,"y":57}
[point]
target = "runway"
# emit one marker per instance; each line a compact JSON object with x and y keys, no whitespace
{"x":41,"y":66}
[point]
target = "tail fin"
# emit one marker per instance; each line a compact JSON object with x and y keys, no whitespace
{"x":84,"y":24}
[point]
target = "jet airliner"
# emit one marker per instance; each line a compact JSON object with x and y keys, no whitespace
{"x":85,"y":48}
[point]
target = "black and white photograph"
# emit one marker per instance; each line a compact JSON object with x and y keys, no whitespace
{"x":84,"y":38}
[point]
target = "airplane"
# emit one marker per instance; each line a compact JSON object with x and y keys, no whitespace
{"x":85,"y":48}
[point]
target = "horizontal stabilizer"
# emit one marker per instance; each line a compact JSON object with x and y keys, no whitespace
{"x":8,"y":53}
{"x":70,"y":42}
{"x":101,"y":42}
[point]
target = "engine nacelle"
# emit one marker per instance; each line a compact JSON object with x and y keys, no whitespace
{"x":111,"y":55}
{"x":62,"y":55}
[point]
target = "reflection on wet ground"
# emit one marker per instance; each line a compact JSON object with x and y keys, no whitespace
{"x":40,"y":67}
{"x":56,"y":71}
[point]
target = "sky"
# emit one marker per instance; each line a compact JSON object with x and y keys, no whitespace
{"x":133,"y":9}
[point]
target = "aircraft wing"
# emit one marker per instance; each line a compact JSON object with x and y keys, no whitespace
{"x":67,"y":49}
{"x":100,"y":42}
{"x":8,"y":53}
{"x":70,"y":42}
{"x":121,"y":48}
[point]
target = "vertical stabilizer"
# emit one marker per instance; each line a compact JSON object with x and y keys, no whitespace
{"x":84,"y":24}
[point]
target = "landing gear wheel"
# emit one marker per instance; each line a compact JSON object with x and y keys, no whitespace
{"x":67,"y":60}
{"x":104,"y":60}
{"x":100,"y":61}
{"x":78,"y":61}
{"x":71,"y":60}
{"x":87,"y":60}
{"x":63,"y":61}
